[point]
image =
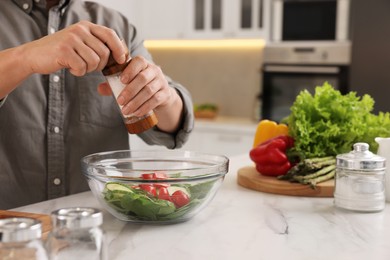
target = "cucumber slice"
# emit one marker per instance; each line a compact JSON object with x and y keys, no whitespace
{"x":118,"y":187}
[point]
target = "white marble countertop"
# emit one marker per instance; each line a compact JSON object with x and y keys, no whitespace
{"x":245,"y":224}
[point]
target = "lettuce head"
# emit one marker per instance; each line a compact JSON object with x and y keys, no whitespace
{"x":329,"y":123}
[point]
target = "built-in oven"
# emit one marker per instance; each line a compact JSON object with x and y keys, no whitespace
{"x":288,"y":70}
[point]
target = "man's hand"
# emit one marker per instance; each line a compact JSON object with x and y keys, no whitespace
{"x":81,"y":48}
{"x":147,"y":89}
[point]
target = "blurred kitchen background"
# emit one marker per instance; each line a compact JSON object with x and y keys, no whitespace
{"x":250,"y":58}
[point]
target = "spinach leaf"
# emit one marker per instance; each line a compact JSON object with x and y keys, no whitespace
{"x":200,"y":190}
{"x":138,"y":204}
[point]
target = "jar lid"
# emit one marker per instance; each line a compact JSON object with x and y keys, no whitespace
{"x":360,"y":159}
{"x":20,"y":229}
{"x":78,"y":217}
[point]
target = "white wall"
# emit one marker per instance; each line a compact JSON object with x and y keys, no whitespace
{"x":228,"y":77}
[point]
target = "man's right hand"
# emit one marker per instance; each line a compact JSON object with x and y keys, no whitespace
{"x":82,"y":47}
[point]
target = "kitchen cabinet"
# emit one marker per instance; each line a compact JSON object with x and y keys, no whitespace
{"x":162,"y":19}
{"x":154,"y":19}
{"x":229,"y":19}
{"x":196,"y":19}
{"x":223,"y":136}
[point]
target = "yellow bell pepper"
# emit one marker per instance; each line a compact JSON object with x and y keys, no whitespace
{"x":267,"y":129}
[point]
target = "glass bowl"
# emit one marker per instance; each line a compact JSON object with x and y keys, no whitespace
{"x":154,"y":186}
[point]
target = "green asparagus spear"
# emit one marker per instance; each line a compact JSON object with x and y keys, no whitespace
{"x":322,"y":178}
{"x":318,"y":173}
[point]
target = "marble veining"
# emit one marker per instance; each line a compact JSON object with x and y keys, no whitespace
{"x":276,"y":221}
{"x":244,"y":224}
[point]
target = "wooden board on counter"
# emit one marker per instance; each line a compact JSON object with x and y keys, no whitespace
{"x":249,"y":178}
{"x":45,"y":219}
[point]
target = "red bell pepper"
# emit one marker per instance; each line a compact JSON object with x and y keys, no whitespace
{"x":271,"y":157}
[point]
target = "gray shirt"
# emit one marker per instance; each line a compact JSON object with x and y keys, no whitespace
{"x":50,"y":122}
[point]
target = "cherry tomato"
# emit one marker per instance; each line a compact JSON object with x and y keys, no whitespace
{"x":180,"y":198}
{"x":160,"y":175}
{"x":163,"y":194}
{"x":149,"y":188}
{"x":147,"y":176}
{"x":156,"y":176}
{"x":161,"y":185}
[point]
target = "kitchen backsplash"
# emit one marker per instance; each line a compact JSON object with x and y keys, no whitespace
{"x":228,"y":76}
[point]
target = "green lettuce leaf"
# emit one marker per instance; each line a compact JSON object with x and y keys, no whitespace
{"x":329,"y":123}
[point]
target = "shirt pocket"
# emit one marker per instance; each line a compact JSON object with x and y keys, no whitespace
{"x":94,"y":108}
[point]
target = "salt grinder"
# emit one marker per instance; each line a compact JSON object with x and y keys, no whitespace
{"x":20,"y":238}
{"x":77,"y":234}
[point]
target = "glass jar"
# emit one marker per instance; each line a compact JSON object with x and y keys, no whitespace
{"x":134,"y":124}
{"x":20,"y":238}
{"x":77,"y":234}
{"x":360,"y":179}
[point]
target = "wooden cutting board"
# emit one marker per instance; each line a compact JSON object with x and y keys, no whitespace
{"x":45,"y":219}
{"x":249,"y":178}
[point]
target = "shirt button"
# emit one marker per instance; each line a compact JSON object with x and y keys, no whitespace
{"x":57,"y":181}
{"x":25,"y":6}
{"x":56,"y":78}
{"x":52,"y":30}
{"x":56,"y":129}
{"x":36,"y":1}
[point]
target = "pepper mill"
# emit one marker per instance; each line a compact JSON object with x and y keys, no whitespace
{"x":134,"y":124}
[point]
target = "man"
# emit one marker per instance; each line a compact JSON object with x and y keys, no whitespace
{"x":54,"y":107}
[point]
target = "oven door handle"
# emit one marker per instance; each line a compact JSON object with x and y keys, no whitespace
{"x":301,"y":69}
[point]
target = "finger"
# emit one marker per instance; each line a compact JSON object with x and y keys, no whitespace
{"x":85,"y":42}
{"x":89,"y":55}
{"x":144,"y":100}
{"x":136,"y":75}
{"x":112,"y":40}
{"x":136,"y":65}
{"x":76,"y":65}
{"x":133,"y":89}
{"x":104,"y":89}
{"x":100,"y":49}
{"x":151,"y":103}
